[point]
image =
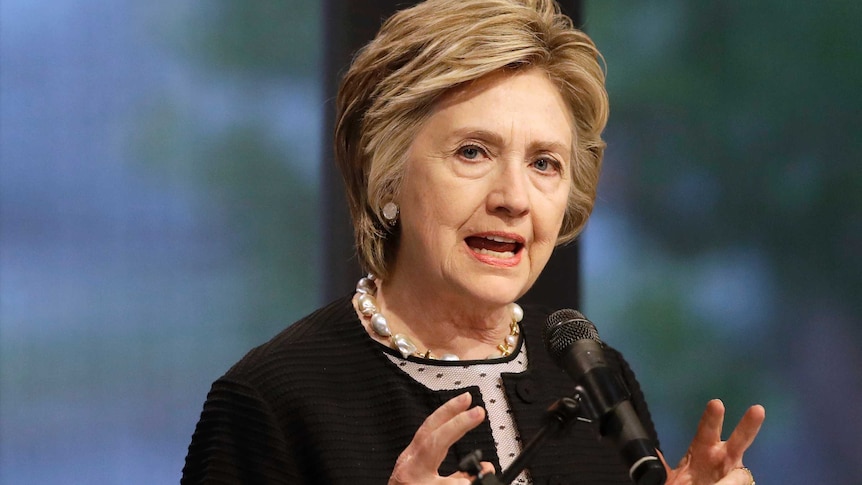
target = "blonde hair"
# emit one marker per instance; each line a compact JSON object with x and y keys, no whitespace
{"x":423,"y":52}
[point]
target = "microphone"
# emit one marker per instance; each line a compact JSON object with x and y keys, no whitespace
{"x":574,"y":345}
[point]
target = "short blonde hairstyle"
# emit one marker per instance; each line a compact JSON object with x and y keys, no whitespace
{"x":422,"y":53}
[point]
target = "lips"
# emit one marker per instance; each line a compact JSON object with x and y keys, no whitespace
{"x":495,"y":245}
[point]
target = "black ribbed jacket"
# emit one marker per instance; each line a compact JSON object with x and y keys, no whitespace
{"x":321,"y":404}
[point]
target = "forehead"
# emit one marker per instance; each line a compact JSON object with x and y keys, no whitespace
{"x":505,"y":98}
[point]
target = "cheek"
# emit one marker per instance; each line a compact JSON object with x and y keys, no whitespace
{"x":453,"y":203}
{"x":549,"y":218}
{"x":432,"y":219}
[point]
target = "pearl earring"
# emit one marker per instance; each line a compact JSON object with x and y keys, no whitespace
{"x":390,"y":212}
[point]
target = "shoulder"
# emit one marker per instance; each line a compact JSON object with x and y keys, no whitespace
{"x":325,"y":335}
{"x":321,"y":324}
{"x":248,"y":425}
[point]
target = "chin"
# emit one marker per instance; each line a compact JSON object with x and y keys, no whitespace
{"x":498,"y":289}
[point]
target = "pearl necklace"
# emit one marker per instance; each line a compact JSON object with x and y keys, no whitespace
{"x":366,"y":304}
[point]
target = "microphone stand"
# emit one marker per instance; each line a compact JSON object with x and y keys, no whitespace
{"x":557,"y":417}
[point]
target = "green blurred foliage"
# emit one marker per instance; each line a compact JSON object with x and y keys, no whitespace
{"x":732,"y":131}
{"x":752,"y":108}
{"x":247,"y":55}
{"x":266,"y":38}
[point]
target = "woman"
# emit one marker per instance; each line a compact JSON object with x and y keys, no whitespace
{"x":468,"y":135}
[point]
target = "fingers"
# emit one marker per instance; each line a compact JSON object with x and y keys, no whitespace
{"x":709,"y":428}
{"x":448,"y":410}
{"x":448,"y":424}
{"x":421,"y":459}
{"x":708,"y":458}
{"x":745,"y":432}
{"x":487,"y":468}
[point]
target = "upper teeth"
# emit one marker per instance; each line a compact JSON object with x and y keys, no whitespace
{"x":500,"y":239}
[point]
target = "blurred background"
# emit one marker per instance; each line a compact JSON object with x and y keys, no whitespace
{"x":160,"y":181}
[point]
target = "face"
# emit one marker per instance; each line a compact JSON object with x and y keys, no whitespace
{"x":484,"y":190}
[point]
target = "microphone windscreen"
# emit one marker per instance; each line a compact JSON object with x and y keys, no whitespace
{"x":563,"y":328}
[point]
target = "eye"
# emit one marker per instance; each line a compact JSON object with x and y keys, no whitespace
{"x":546,"y":165}
{"x":471,"y":152}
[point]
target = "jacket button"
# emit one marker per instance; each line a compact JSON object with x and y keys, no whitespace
{"x":526,"y":390}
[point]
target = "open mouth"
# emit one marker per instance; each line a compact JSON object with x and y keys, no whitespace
{"x":494,"y":246}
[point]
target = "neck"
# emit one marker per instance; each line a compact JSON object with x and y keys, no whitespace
{"x":470,"y":332}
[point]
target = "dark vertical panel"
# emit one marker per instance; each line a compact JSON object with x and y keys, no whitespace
{"x":349,"y":24}
{"x":559,"y":286}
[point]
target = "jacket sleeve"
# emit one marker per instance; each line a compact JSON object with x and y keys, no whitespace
{"x":238,"y":440}
{"x":637,"y":396}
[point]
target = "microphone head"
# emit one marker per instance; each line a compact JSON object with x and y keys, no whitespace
{"x":565,"y":327}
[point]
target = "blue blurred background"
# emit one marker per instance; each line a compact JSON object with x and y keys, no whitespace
{"x":159,"y":215}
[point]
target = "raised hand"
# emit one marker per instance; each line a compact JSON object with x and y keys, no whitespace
{"x":710,"y":461}
{"x":420,"y":461}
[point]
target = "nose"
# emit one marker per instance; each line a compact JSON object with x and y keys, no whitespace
{"x":509,"y":194}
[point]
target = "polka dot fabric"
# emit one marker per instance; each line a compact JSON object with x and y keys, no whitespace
{"x":486,"y":376}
